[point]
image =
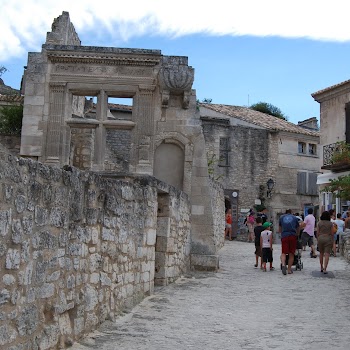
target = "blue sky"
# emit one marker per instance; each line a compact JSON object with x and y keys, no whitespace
{"x":243,"y":52}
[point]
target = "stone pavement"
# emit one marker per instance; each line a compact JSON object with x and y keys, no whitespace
{"x":239,"y":307}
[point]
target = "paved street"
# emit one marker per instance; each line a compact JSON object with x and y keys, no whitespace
{"x":240,"y":307}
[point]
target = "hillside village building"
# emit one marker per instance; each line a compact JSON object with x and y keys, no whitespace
{"x":108,"y":199}
{"x":334,"y":130}
{"x":252,"y":147}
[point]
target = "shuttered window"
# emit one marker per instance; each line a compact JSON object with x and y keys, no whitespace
{"x":306,"y":184}
{"x":312,"y":187}
{"x":224,"y":151}
{"x":301,"y":183}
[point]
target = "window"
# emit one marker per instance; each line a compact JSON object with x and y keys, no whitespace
{"x":306,"y":183}
{"x":302,"y":147}
{"x":312,"y":149}
{"x":224,"y":151}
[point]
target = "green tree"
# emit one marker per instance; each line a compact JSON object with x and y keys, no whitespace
{"x":339,"y":186}
{"x":11,"y":119}
{"x":268,"y":108}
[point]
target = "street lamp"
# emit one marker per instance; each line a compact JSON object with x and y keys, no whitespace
{"x":270,"y":185}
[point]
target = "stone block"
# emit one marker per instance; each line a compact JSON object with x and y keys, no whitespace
{"x":161,"y":244}
{"x":5,"y":222}
{"x":204,"y":262}
{"x":151,"y":237}
{"x":163,"y":226}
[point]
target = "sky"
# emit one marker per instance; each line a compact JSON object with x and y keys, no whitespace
{"x":243,"y":51}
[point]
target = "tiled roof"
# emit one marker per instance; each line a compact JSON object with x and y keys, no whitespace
{"x":330,"y":88}
{"x":12,"y":98}
{"x":120,"y":107}
{"x":258,"y":118}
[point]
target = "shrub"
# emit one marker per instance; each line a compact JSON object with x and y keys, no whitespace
{"x":11,"y":119}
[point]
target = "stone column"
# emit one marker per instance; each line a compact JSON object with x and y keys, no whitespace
{"x":100,"y":136}
{"x":55,"y":122}
{"x":145,"y":131}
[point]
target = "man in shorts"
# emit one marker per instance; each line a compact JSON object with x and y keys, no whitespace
{"x":289,"y":229}
{"x":307,"y":236}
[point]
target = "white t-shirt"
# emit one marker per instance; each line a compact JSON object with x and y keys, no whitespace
{"x":266,"y":236}
{"x":341,"y":224}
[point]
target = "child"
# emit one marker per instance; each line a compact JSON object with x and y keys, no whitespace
{"x":266,"y":239}
{"x":257,"y":233}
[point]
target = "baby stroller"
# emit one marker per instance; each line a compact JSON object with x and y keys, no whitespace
{"x":297,"y":256}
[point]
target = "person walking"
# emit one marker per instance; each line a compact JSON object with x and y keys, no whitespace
{"x":325,"y":239}
{"x":337,"y":236}
{"x":289,"y":229}
{"x":257,"y":233}
{"x":266,"y":240}
{"x":308,"y":233}
{"x":250,"y":225}
{"x":228,"y":224}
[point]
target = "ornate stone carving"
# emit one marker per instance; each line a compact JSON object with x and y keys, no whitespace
{"x":176,"y":78}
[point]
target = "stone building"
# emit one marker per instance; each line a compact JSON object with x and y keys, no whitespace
{"x":249,"y":148}
{"x":334,"y":132}
{"x":162,"y":135}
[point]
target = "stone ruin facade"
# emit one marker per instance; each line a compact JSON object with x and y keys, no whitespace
{"x":106,"y":201}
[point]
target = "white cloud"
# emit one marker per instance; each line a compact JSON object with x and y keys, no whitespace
{"x":24,"y":24}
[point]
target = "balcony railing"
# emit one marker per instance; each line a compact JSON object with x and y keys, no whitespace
{"x":336,"y":156}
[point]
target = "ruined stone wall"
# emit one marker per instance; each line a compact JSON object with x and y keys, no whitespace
{"x":75,"y":249}
{"x":218,"y":208}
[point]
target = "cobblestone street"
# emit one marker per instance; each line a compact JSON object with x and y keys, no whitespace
{"x":240,"y":307}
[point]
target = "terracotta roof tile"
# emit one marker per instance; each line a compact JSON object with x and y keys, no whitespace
{"x":258,"y":118}
{"x":330,"y":88}
{"x":12,"y":98}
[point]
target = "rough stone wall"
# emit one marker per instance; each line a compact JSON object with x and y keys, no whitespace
{"x":118,"y":143}
{"x":345,"y":245}
{"x":75,"y":249}
{"x":173,"y":238}
{"x":82,"y":147}
{"x":218,"y":208}
{"x":251,"y":159}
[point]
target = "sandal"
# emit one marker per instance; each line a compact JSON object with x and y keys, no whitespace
{"x":325,"y":272}
{"x":289,"y":273}
{"x":272,"y":268}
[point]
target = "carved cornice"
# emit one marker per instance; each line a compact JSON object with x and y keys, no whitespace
{"x":103,"y":60}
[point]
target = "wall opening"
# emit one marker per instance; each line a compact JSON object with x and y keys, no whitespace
{"x":163,"y":234}
{"x":169,"y":161}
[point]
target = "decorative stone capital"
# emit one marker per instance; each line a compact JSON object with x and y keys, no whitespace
{"x":176,"y":79}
